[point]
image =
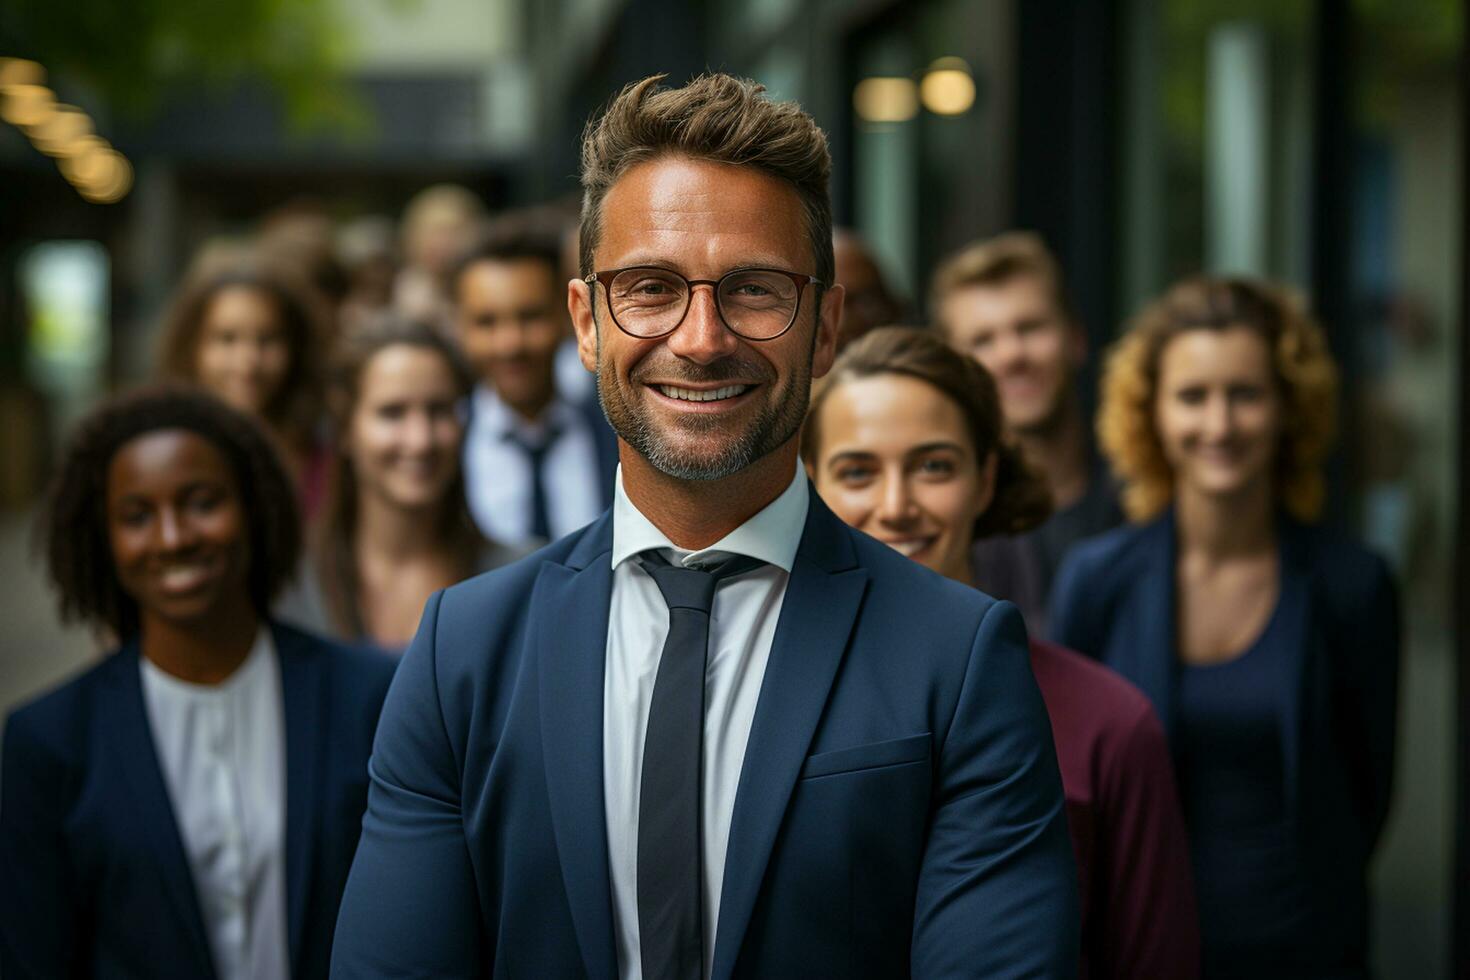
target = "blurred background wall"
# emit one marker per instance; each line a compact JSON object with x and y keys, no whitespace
{"x":1316,"y":141}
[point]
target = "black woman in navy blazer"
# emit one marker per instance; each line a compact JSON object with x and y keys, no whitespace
{"x":170,"y":526}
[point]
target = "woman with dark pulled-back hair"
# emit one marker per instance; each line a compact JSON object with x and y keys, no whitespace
{"x":903,"y":441}
{"x":1268,"y":644}
{"x":190,"y":806}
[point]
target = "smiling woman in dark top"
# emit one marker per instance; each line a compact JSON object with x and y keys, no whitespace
{"x":904,"y":442}
{"x":1268,"y":644}
{"x":190,"y":806}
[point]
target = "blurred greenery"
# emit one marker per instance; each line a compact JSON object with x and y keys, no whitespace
{"x":132,"y":53}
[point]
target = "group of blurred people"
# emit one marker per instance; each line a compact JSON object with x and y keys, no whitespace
{"x":344,"y":432}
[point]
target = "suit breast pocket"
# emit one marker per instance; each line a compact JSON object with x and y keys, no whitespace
{"x":874,"y":755}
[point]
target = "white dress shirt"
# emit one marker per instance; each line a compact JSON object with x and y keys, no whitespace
{"x":742,"y":626}
{"x":223,"y":752}
{"x":498,"y":474}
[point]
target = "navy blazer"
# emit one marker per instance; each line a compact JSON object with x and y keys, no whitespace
{"x":899,"y":811}
{"x":96,"y":879}
{"x":1115,"y":599}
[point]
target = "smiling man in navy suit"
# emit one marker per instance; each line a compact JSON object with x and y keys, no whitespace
{"x":715,"y":733}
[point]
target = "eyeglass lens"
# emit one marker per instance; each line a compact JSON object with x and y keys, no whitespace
{"x":754,"y":303}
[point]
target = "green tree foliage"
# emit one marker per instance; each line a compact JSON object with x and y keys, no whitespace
{"x":132,"y":52}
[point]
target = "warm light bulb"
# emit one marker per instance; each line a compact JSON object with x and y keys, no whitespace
{"x":27,"y":105}
{"x":113,"y":183}
{"x":19,"y":71}
{"x":87,"y":161}
{"x":885,"y":99}
{"x":948,"y":88}
{"x":65,"y":127}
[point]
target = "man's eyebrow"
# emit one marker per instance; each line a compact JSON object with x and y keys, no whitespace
{"x":662,"y":261}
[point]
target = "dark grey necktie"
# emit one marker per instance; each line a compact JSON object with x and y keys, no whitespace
{"x":670,"y":889}
{"x":535,"y":454}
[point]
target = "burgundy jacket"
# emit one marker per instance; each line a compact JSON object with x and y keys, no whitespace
{"x":1138,"y":910}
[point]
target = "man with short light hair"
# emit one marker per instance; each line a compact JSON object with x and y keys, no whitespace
{"x":1002,"y":301}
{"x":717,"y":733}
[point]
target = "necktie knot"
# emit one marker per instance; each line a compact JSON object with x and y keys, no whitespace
{"x":692,"y":588}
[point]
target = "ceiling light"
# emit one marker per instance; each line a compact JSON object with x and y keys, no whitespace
{"x":886,"y":99}
{"x":948,"y":89}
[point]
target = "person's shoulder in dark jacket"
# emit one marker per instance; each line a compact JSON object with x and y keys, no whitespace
{"x":50,"y":726}
{"x":1352,"y":578}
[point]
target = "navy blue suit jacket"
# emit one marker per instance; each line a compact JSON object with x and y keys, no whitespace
{"x":96,"y":880}
{"x":899,"y":808}
{"x":1115,"y":600}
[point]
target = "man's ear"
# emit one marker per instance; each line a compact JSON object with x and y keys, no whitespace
{"x":829,"y":316}
{"x":580,"y":297}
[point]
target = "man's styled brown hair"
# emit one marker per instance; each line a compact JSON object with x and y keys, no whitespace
{"x":997,"y":261}
{"x":510,"y":238}
{"x":718,"y":118}
{"x":1021,"y":498}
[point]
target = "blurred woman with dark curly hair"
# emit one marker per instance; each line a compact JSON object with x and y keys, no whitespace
{"x":903,"y":441}
{"x":1268,"y":644}
{"x":190,"y":806}
{"x":252,"y":334}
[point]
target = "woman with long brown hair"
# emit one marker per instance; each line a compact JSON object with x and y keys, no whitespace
{"x":396,"y":526}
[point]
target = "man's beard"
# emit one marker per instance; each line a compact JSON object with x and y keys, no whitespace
{"x":776,"y":422}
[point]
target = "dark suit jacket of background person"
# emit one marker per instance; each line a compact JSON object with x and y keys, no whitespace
{"x":1115,"y":600}
{"x":899,"y":809}
{"x":96,"y":880}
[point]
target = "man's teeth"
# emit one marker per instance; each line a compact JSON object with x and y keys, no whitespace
{"x":690,"y":395}
{"x":908,"y":548}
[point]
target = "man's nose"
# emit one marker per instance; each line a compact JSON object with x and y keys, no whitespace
{"x":703,"y":337}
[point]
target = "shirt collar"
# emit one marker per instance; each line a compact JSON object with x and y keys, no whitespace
{"x":499,"y":421}
{"x":252,"y":668}
{"x":772,"y":535}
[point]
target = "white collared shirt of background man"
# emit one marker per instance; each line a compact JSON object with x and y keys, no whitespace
{"x":222,"y":748}
{"x":498,"y":474}
{"x":742,"y":628}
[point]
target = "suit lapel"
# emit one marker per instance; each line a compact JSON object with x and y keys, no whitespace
{"x":307,"y":724}
{"x":1155,"y":610}
{"x":568,"y":625}
{"x":125,"y":716}
{"x":1294,"y":634}
{"x":822,"y":599}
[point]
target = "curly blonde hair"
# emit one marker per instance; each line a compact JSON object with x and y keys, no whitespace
{"x":1305,"y":372}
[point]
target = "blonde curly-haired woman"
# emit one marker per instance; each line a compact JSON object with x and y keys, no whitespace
{"x":1268,"y":644}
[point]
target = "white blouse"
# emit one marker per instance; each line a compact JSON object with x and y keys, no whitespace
{"x":223,"y":752}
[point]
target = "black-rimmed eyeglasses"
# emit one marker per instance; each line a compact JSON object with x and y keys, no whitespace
{"x":649,"y":301}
